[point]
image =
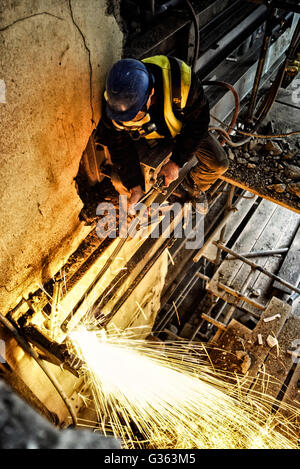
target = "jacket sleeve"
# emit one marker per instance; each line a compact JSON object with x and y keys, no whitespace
{"x":122,"y":151}
{"x":195,"y":119}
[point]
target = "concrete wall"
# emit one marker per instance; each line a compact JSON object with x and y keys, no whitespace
{"x":54,"y":56}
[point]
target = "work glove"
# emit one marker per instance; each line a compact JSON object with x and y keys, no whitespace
{"x":170,"y":172}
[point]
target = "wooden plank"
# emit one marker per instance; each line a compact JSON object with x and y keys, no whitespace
{"x":284,"y":203}
{"x":290,"y":269}
{"x":296,"y":307}
{"x":244,"y":205}
{"x":258,"y":234}
{"x":262,"y":282}
{"x":270,"y":238}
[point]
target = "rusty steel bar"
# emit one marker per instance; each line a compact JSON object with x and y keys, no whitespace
{"x":239,"y":297}
{"x":259,"y":253}
{"x":257,"y":267}
{"x":223,"y":231}
{"x":233,"y":292}
{"x":218,"y":324}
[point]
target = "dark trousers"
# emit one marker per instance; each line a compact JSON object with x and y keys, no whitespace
{"x":212,"y":163}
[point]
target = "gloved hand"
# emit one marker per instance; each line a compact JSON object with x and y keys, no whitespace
{"x":170,"y":172}
{"x":136,"y":193}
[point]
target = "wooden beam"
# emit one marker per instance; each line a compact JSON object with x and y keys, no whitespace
{"x":242,"y":185}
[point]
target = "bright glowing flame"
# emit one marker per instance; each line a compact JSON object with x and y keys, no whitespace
{"x":169,"y":397}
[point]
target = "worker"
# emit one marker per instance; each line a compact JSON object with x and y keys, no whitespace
{"x":159,"y":97}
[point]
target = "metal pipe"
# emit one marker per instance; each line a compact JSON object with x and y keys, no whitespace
{"x":258,"y":267}
{"x":197,"y":330}
{"x":259,"y":253}
{"x":231,"y":88}
{"x":234,"y":305}
{"x":152,"y":6}
{"x":261,"y":62}
{"x":197,"y":34}
{"x":164,"y":7}
{"x":273,"y":91}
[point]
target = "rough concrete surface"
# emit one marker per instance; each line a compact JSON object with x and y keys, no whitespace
{"x":54,"y":56}
{"x":22,"y":428}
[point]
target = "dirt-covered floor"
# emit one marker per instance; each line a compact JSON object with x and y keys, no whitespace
{"x":272,"y":167}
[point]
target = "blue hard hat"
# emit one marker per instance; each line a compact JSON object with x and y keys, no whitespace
{"x":127,"y":89}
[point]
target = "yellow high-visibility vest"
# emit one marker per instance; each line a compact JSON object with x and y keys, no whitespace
{"x":174,"y":125}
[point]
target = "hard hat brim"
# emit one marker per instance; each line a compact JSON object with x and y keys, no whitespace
{"x":124,"y":116}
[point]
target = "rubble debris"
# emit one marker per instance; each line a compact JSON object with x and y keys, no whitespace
{"x":254,"y":159}
{"x":246,"y":364}
{"x":256,"y":292}
{"x":230,"y":154}
{"x":259,"y":339}
{"x":271,"y":318}
{"x":242,"y":161}
{"x":272,"y":341}
{"x":292,"y":171}
{"x":240,"y":354}
{"x":280,"y":188}
{"x":272,"y":169}
{"x":272,"y":148}
{"x":294,"y":188}
{"x":289,"y":156}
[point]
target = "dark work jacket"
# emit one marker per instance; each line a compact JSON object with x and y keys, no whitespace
{"x":195,"y":119}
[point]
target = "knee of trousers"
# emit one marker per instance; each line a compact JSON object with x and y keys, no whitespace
{"x":218,"y":166}
{"x":222,"y":165}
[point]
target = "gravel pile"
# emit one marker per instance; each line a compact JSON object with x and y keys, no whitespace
{"x":269,"y":167}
